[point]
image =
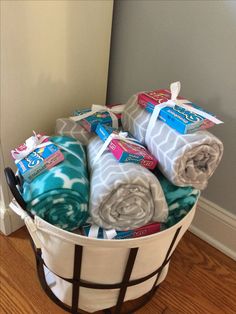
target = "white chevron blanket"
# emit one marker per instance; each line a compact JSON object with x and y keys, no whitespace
{"x":122,"y":195}
{"x":185,"y":159}
{"x":67,"y":127}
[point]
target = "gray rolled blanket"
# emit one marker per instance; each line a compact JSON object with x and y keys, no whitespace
{"x":185,"y":159}
{"x":123,"y":196}
{"x":67,"y":127}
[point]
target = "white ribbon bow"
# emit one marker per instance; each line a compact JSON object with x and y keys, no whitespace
{"x":123,"y":136}
{"x":175,"y":89}
{"x":31,"y":144}
{"x":98,"y":108}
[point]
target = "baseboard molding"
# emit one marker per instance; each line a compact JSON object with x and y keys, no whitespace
{"x":216,"y":226}
{"x":9,"y":221}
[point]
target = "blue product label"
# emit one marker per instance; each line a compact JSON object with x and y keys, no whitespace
{"x":103,"y":131}
{"x":149,"y":107}
{"x":129,"y":157}
{"x":170,"y":120}
{"x":124,"y":234}
{"x":190,"y":116}
{"x":99,"y":117}
{"x":179,"y":118}
{"x":30,"y":175}
{"x":36,"y":159}
{"x":102,"y":117}
{"x":31,"y":161}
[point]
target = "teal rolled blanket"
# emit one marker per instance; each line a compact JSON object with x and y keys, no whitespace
{"x":180,"y":200}
{"x":60,"y":195}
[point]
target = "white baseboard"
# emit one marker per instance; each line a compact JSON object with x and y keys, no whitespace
{"x":9,"y":221}
{"x":216,"y":226}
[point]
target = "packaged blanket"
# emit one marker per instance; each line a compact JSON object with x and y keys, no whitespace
{"x":91,"y":117}
{"x":125,"y":149}
{"x":180,"y":200}
{"x":60,"y":196}
{"x":122,"y":196}
{"x":179,"y":118}
{"x":35,"y":156}
{"x":185,"y":159}
{"x":67,"y":127}
{"x":90,"y":123}
{"x":77,"y":128}
{"x":101,"y":233}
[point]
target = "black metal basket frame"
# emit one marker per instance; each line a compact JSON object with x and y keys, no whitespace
{"x":14,"y":184}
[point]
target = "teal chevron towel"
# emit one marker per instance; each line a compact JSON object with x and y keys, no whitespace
{"x":179,"y":199}
{"x":60,"y":195}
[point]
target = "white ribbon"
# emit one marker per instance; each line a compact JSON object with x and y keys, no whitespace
{"x":98,"y":108}
{"x":93,"y":231}
{"x":175,"y":89}
{"x":28,"y":221}
{"x":113,"y":136}
{"x":107,"y":234}
{"x":31,"y":144}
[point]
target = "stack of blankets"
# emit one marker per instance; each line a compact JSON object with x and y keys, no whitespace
{"x":123,"y":196}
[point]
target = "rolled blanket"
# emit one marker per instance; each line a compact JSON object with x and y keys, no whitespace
{"x":185,"y":159}
{"x":123,"y":196}
{"x":67,"y":127}
{"x":180,"y":200}
{"x":60,"y":195}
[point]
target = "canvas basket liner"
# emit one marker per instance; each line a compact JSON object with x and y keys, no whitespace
{"x":103,"y":261}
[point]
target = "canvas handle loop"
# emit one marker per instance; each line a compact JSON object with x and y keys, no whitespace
{"x":28,"y":222}
{"x":99,"y":108}
{"x":175,"y":89}
{"x":120,"y":136}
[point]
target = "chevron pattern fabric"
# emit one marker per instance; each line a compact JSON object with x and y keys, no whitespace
{"x":60,"y":196}
{"x":123,"y":196}
{"x":67,"y":127}
{"x":185,"y":159}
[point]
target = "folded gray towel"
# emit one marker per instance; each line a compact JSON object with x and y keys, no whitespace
{"x":185,"y":159}
{"x":122,"y":195}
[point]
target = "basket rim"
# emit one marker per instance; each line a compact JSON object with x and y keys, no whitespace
{"x":67,"y":235}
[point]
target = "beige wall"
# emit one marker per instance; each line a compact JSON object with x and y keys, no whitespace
{"x":54,"y":58}
{"x":158,"y":42}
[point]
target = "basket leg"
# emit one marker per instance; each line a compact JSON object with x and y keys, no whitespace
{"x":76,"y":278}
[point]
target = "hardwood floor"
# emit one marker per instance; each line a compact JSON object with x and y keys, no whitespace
{"x":200,"y":280}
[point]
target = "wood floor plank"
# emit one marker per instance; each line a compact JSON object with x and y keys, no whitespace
{"x":20,"y":288}
{"x":20,"y":239}
{"x":201,"y":280}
